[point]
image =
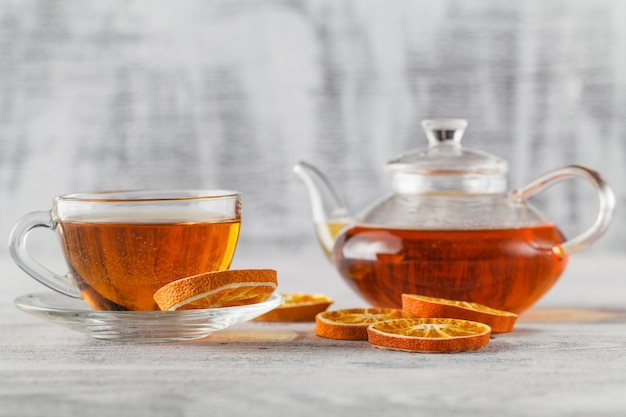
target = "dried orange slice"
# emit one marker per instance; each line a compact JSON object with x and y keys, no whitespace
{"x":429,"y":335}
{"x":422,"y":306}
{"x":351,"y":324}
{"x":217,"y":289}
{"x":297,"y":307}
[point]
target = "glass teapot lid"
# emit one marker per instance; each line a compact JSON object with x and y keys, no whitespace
{"x":445,"y":166}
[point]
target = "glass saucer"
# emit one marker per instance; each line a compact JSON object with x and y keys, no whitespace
{"x":139,"y":326}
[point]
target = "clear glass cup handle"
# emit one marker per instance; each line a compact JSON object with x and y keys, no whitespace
{"x":604,"y":192}
{"x":23,"y":259}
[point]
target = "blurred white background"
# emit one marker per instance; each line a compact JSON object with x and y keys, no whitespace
{"x":230,"y":94}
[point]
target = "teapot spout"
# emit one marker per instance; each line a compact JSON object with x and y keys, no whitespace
{"x":330,"y":214}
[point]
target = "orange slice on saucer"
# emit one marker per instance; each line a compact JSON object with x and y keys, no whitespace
{"x":217,"y":289}
{"x":429,"y":335}
{"x":297,"y":307}
{"x":351,"y":324}
{"x":422,"y":306}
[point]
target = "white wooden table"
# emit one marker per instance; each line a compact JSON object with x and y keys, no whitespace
{"x":566,"y":357}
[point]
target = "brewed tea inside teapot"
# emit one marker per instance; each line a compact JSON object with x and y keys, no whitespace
{"x":450,"y":228}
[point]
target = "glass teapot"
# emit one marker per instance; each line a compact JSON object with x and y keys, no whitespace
{"x":450,"y":228}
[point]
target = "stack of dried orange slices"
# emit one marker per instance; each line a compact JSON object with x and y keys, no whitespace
{"x":424,"y":324}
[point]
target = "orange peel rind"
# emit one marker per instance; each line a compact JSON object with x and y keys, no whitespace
{"x":217,"y":289}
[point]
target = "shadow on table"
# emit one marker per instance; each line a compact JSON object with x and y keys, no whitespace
{"x":571,"y":315}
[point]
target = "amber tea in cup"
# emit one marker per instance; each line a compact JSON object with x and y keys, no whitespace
{"x":121,"y":247}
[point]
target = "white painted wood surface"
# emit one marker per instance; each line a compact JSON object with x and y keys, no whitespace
{"x":133,"y":94}
{"x":566,"y":358}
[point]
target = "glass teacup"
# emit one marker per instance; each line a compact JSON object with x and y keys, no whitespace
{"x":122,"y":246}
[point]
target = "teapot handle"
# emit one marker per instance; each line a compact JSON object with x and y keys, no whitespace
{"x":605,"y":195}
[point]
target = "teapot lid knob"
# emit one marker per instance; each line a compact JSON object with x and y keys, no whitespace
{"x":446,"y":165}
{"x":444,"y":130}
